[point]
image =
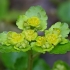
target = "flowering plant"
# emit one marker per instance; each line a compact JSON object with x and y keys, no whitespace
{"x":35,"y":19}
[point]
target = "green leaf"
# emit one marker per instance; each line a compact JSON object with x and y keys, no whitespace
{"x":61,"y":48}
{"x":56,"y":25}
{"x":36,"y":11}
{"x":43,"y":25}
{"x":41,"y":65}
{"x":65,"y":30}
{"x":3,"y":37}
{"x":64,"y":41}
{"x":9,"y":59}
{"x":21,"y":63}
{"x":60,"y":65}
{"x":21,"y":20}
{"x":6,"y":49}
{"x":11,"y":48}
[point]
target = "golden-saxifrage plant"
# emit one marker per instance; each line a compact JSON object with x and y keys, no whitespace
{"x":54,"y":39}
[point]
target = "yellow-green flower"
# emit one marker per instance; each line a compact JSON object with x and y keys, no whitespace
{"x":23,"y":46}
{"x":30,"y":35}
{"x":40,"y":41}
{"x":60,"y":28}
{"x":35,"y":18}
{"x":33,"y":21}
{"x":15,"y":38}
{"x":53,"y":38}
{"x":41,"y":45}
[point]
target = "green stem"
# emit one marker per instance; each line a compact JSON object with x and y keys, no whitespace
{"x":30,"y":60}
{"x":36,"y":55}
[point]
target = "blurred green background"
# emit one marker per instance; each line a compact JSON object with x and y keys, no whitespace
{"x":57,"y":10}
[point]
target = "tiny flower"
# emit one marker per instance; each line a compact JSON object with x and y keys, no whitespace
{"x":41,"y":45}
{"x":40,"y":41}
{"x":53,"y":39}
{"x":47,"y":45}
{"x":23,"y":46}
{"x":33,"y":21}
{"x":60,"y":28}
{"x":15,"y":38}
{"x":30,"y":35}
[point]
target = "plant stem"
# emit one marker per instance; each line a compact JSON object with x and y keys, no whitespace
{"x":36,"y":55}
{"x":30,"y":60}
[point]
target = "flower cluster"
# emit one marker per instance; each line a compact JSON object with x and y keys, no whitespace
{"x":30,"y":23}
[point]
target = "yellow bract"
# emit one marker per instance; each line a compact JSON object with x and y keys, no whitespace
{"x":33,"y":21}
{"x":30,"y":35}
{"x":52,"y":39}
{"x":15,"y":37}
{"x":40,"y":41}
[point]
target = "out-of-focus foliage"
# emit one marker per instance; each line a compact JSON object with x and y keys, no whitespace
{"x":3,"y":8}
{"x":60,"y":65}
{"x":63,"y":11}
{"x":18,"y":61}
{"x":7,"y":15}
{"x":57,"y":2}
{"x":15,"y":61}
{"x":41,"y":64}
{"x":12,"y":15}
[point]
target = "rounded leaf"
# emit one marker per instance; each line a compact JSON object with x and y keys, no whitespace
{"x":21,"y":22}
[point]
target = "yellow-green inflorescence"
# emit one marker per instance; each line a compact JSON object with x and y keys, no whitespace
{"x":30,"y":35}
{"x":53,"y":38}
{"x":15,"y":38}
{"x":30,"y":23}
{"x":35,"y":18}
